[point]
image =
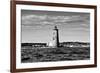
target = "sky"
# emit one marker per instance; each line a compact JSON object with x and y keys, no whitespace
{"x":37,"y":26}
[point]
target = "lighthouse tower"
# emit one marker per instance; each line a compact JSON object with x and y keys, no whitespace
{"x":55,"y":37}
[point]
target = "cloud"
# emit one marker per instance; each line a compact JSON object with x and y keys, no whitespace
{"x":44,"y":19}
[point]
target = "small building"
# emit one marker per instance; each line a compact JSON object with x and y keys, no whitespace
{"x":39,"y":45}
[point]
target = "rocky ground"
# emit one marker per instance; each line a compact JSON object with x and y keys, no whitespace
{"x":31,"y":54}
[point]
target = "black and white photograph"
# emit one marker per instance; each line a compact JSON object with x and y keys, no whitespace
{"x":53,"y":36}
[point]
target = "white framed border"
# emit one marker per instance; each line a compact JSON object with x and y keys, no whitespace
{"x":20,"y":65}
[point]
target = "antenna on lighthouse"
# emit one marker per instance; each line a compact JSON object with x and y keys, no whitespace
{"x":55,"y":27}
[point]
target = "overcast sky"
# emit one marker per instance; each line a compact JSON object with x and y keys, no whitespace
{"x":37,"y":26}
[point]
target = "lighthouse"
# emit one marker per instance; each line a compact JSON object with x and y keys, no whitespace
{"x":55,"y":37}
